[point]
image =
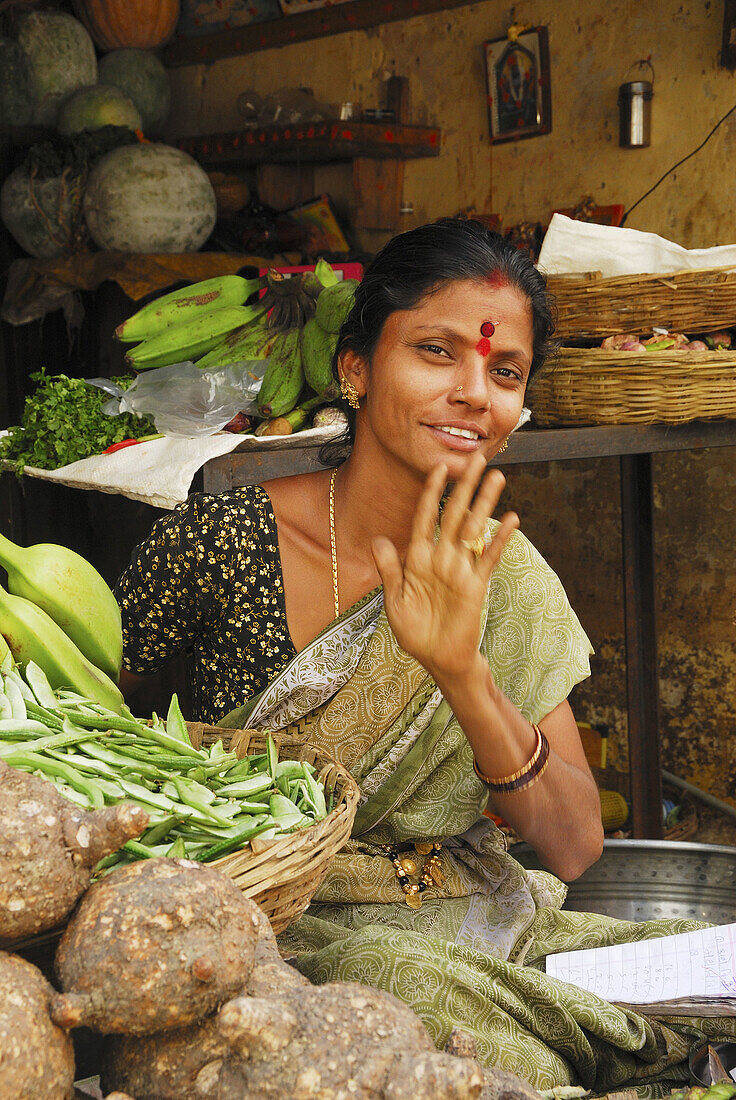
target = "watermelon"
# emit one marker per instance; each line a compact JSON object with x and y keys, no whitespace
{"x":149,"y":198}
{"x":95,"y":106}
{"x":41,"y":214}
{"x":62,"y":58}
{"x":17,"y":93}
{"x":140,"y":74}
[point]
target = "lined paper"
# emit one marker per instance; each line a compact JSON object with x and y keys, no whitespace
{"x":690,"y":965}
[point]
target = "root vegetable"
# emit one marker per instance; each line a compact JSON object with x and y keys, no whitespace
{"x":285,"y":1039}
{"x":155,"y":945}
{"x":336,"y":1040}
{"x":619,"y":341}
{"x":36,"y":1057}
{"x":48,"y":850}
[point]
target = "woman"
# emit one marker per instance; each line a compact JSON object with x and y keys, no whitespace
{"x":431,"y":650}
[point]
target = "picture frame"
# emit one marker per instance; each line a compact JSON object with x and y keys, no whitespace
{"x":518,"y":86}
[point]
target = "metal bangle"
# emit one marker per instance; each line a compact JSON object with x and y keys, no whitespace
{"x":530,"y":773}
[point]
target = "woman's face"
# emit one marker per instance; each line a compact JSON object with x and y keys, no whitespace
{"x":442,"y":382}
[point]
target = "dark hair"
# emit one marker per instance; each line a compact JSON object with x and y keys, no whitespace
{"x":420,"y":261}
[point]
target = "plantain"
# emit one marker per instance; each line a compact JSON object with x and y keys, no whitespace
{"x":318,"y":349}
{"x":184,"y":305}
{"x":292,"y":422}
{"x":32,"y":635}
{"x":284,"y":378}
{"x":64,"y":585}
{"x":191,"y":339}
{"x":249,"y":342}
{"x":334,"y":304}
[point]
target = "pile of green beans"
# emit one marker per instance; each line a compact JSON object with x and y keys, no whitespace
{"x":202,"y":803}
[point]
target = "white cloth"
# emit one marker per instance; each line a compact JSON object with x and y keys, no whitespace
{"x":160,"y":471}
{"x":571,"y":246}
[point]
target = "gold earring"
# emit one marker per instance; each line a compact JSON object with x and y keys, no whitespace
{"x":504,"y":445}
{"x":349,"y":393}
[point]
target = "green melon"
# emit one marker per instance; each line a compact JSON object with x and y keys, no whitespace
{"x":17,"y":95}
{"x":140,"y":74}
{"x":62,"y":58}
{"x":149,"y":198}
{"x":42,"y":215}
{"x":95,"y":106}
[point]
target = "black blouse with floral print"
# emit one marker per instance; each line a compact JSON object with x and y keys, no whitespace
{"x":208,"y":580}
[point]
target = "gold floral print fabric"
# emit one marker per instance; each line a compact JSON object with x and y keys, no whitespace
{"x":208,"y":581}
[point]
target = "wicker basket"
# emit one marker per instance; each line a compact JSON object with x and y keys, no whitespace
{"x":592,"y":386}
{"x":280,"y":875}
{"x":684,"y":301}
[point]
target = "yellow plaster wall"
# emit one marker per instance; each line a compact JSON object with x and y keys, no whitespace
{"x":592,"y":46}
{"x":571,"y":510}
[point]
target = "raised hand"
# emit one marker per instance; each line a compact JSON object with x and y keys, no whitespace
{"x":434,"y":598}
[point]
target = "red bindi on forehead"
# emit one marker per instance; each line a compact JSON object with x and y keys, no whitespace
{"x":497,"y":279}
{"x":483,"y":347}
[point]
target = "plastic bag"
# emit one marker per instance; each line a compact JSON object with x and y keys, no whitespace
{"x":185,"y":401}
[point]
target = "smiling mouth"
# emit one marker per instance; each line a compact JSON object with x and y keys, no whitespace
{"x":463,"y":433}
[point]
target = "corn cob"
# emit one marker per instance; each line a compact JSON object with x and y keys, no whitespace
{"x":184,"y":305}
{"x":72,"y":592}
{"x":191,"y":339}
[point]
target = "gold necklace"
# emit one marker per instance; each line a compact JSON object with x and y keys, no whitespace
{"x":333,"y":546}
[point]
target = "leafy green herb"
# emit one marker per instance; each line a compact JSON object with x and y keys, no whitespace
{"x":63,"y":422}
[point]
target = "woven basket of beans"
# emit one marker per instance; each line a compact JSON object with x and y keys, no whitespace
{"x":282,"y":875}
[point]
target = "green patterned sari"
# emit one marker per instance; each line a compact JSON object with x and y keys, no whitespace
{"x":473,"y":955}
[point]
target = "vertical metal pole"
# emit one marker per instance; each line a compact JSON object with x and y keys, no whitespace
{"x":641,"y":645}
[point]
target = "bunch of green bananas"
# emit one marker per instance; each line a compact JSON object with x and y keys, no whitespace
{"x":294,"y":326}
{"x":304,"y":355}
{"x":59,"y":613}
{"x":196,"y":321}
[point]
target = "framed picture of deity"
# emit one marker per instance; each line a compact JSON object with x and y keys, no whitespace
{"x":517,"y":73}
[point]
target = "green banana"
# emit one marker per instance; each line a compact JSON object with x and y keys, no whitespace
{"x":184,"y":305}
{"x":251,"y":341}
{"x":190,"y":339}
{"x":64,"y":585}
{"x":318,"y":349}
{"x":334,"y":304}
{"x":284,"y":378}
{"x":32,"y":635}
{"x":326,"y":273}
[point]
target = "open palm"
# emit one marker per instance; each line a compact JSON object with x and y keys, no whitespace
{"x":434,"y":598}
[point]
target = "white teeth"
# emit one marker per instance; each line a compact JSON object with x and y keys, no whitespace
{"x":461,"y":432}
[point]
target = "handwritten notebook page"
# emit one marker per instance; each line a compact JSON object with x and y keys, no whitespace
{"x":690,"y":965}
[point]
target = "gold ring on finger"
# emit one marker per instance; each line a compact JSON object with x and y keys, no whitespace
{"x":476,"y":545}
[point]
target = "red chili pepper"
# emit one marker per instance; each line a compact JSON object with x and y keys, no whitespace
{"x":119,"y":446}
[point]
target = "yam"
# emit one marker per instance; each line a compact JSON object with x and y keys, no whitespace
{"x":155,"y":945}
{"x":48,"y":850}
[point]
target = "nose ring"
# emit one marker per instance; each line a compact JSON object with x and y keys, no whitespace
{"x":458,"y":389}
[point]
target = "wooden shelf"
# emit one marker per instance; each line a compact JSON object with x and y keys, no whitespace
{"x":314,"y":142}
{"x":354,"y":16}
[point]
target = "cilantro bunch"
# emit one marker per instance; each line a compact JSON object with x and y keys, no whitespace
{"x":63,"y":422}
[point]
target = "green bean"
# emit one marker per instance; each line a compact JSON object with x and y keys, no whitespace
{"x":216,"y":851}
{"x":175,"y":724}
{"x":32,"y":761}
{"x":20,"y":727}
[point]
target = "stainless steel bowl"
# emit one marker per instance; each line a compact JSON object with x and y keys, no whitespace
{"x":650,"y":879}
